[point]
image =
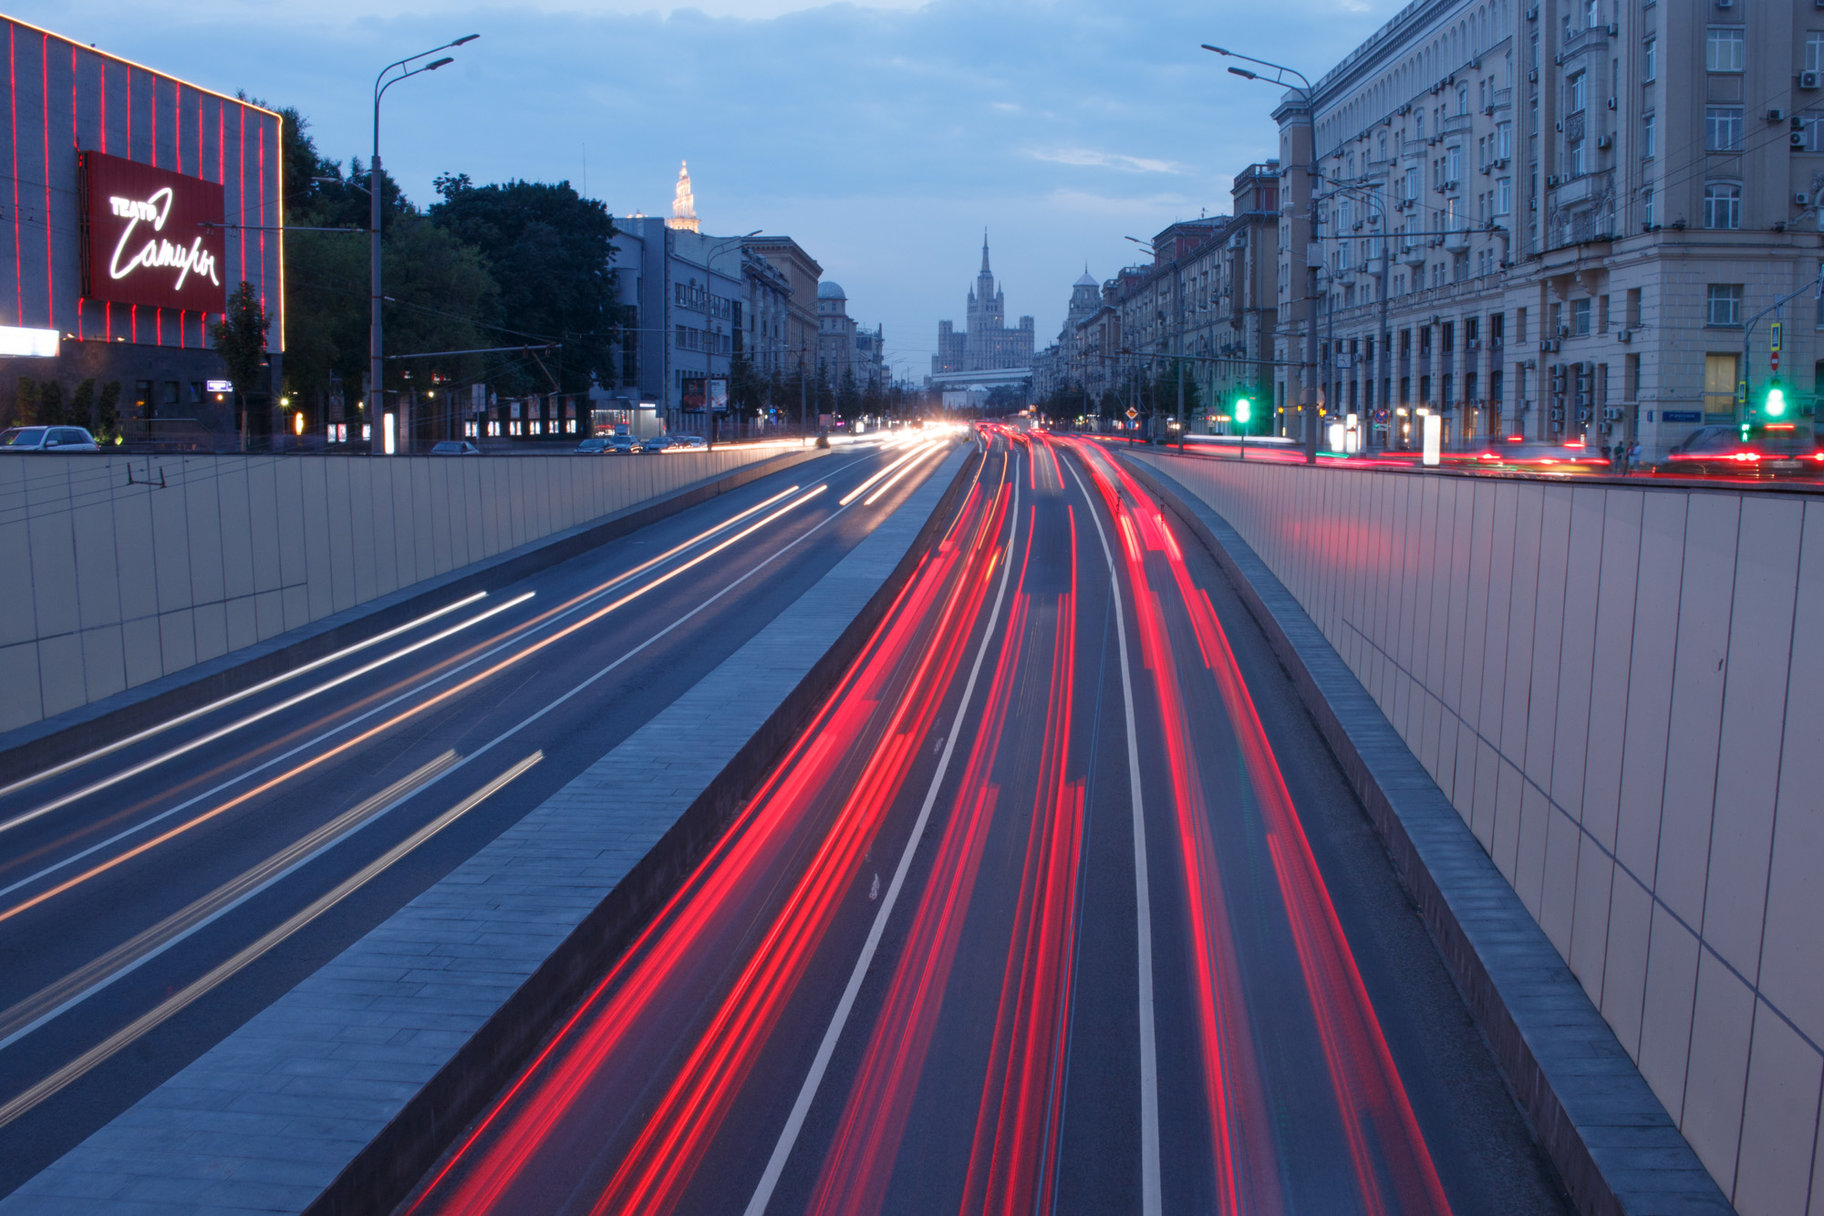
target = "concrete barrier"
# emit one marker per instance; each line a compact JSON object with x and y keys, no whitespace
{"x":1620,"y":690}
{"x":119,"y":571}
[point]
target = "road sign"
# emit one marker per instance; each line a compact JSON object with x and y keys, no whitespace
{"x":1132,"y":412}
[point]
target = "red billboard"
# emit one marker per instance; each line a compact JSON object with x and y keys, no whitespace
{"x":150,"y":236}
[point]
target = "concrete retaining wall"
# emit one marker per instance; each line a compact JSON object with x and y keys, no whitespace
{"x":1621,"y":690}
{"x":116,"y":571}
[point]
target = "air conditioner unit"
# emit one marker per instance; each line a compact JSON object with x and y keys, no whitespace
{"x":1532,"y":75}
{"x":1801,"y":199}
{"x":1776,"y":115}
{"x":1488,"y":109}
{"x":1725,"y":3}
{"x":1564,"y":331}
{"x":1611,"y":103}
{"x":1549,"y":346}
{"x":1811,"y":80}
{"x":1604,"y":141}
{"x":1626,"y":335}
{"x":1551,"y":179}
{"x":1614,"y":29}
{"x":1797,"y":140}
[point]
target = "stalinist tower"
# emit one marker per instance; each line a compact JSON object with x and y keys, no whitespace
{"x":683,"y":203}
{"x":986,"y":343}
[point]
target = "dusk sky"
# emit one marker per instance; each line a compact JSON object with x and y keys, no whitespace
{"x":883,"y":136}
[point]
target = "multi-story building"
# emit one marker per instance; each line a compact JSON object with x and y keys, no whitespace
{"x":767,"y":301}
{"x":686,"y":292}
{"x":797,"y":349}
{"x":987,"y":343}
{"x":843,"y":347}
{"x":1558,"y":219}
{"x":140,"y":202}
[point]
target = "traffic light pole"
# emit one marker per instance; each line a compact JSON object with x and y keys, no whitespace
{"x":1743,"y":408}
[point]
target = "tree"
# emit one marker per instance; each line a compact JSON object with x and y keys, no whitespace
{"x":50,"y":404}
{"x":25,"y":402}
{"x":551,"y":252}
{"x":107,"y":413}
{"x":82,"y":404}
{"x":240,"y":339}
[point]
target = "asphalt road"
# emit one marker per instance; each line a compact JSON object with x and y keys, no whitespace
{"x":1061,"y":905}
{"x":157,"y":893}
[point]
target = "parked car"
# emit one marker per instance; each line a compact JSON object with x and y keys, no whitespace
{"x":454,"y":447}
{"x":595,"y":445}
{"x":656,"y":443}
{"x":48,"y":439}
{"x":623,"y":444}
{"x":1753,"y":451}
{"x":688,"y":443}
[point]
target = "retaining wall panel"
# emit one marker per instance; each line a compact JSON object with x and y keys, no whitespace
{"x":236,"y":517}
{"x":1667,"y":1008}
{"x":1716,"y":1078}
{"x":1654,"y":641}
{"x":1779,"y":1119}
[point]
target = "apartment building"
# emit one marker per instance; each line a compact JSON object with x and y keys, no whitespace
{"x":1563,"y":219}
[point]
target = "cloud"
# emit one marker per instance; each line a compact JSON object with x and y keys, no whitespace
{"x":1090,"y":158}
{"x":883,"y":134}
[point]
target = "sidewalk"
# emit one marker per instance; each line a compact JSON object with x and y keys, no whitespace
{"x":277,"y":1112}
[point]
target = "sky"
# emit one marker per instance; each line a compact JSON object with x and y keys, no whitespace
{"x":884,"y":136}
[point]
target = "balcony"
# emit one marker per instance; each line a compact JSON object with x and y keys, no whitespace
{"x":1457,"y":242}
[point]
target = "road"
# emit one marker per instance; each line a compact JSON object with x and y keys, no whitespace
{"x":158,"y":892}
{"x":1061,"y":905}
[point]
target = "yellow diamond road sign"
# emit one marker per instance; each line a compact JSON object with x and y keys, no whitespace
{"x":1132,"y":412}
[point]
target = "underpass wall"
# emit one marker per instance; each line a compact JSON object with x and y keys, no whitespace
{"x":116,"y":571}
{"x":1621,"y":691}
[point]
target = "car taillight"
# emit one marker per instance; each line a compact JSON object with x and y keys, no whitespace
{"x":1745,"y":456}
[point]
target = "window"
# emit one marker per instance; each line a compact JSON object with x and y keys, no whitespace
{"x":1649,"y":136}
{"x":1719,"y":382}
{"x":1462,"y":99}
{"x":1646,"y":207}
{"x":1453,"y":165}
{"x":1814,"y":52}
{"x":1722,"y":128}
{"x":1412,"y":183}
{"x":1504,"y":196}
{"x":1580,"y":318}
{"x":1383,"y":149}
{"x":1419,"y":124}
{"x":1504,"y":140}
{"x":1592,"y":13}
{"x":1576,"y":93}
{"x":1725,"y":48}
{"x":1722,"y":205}
{"x":1649,"y":61}
{"x":1579,"y":160}
{"x":1633,"y":308}
{"x":1725,"y":304}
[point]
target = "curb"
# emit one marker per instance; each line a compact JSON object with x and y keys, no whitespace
{"x":1614,"y":1146}
{"x":383,"y":1173}
{"x":32,"y":748}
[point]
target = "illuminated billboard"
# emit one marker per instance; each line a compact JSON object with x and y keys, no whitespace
{"x":150,"y":236}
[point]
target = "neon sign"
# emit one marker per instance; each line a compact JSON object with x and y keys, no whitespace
{"x":150,"y":236}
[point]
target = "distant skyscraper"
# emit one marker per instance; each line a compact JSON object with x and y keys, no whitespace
{"x":986,"y":343}
{"x":683,"y":203}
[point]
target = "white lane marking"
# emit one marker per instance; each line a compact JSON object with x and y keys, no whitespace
{"x":203,"y":740}
{"x":553,"y":705}
{"x":210,"y":708}
{"x":794,"y":1123}
{"x":863,"y":488}
{"x":1143,"y":900}
{"x":918,"y":458}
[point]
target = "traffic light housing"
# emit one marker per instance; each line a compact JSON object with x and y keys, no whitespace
{"x":1244,"y":412}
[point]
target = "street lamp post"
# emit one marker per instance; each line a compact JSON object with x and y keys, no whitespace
{"x":1308,"y":407}
{"x":375,"y":393}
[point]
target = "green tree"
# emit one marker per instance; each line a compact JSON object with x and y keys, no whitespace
{"x":848,"y":396}
{"x":107,"y":413}
{"x":551,"y":253}
{"x":240,"y":339}
{"x":437,"y":290}
{"x":50,"y":404}
{"x":25,"y":402}
{"x":82,"y":404}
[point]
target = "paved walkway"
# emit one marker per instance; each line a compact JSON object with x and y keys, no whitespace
{"x":270,"y":1116}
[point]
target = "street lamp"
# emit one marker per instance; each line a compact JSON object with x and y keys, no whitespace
{"x":1282,"y":76}
{"x":382,"y":83}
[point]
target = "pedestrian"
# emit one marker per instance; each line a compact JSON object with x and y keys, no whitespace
{"x":1632,"y":458}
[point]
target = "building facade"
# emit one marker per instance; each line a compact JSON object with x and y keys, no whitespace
{"x":843,"y":347}
{"x":797,"y":348}
{"x":686,"y":292}
{"x":115,"y":282}
{"x":986,"y":344}
{"x":1560,"y":219}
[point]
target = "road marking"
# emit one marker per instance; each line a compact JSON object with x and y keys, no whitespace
{"x":788,"y":1137}
{"x":131,"y":1033}
{"x":126,"y":958}
{"x":1143,"y":900}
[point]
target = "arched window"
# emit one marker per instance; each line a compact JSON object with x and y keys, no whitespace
{"x":1722,"y":205}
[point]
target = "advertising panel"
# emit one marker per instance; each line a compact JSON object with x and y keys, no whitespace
{"x":718,"y":396}
{"x":150,"y":236}
{"x":691,"y":397}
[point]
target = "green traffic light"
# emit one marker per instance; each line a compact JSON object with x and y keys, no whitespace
{"x":1244,"y":411}
{"x":1775,"y":405}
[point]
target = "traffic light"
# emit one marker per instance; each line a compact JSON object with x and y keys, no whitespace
{"x":1244,"y":412}
{"x":1774,"y":404}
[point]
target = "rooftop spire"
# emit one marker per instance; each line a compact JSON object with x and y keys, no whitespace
{"x":683,"y":203}
{"x":985,"y":270}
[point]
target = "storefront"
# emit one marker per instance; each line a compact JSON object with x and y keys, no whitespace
{"x":137,"y":203}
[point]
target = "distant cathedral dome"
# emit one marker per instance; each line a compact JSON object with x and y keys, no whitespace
{"x":829,"y":289}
